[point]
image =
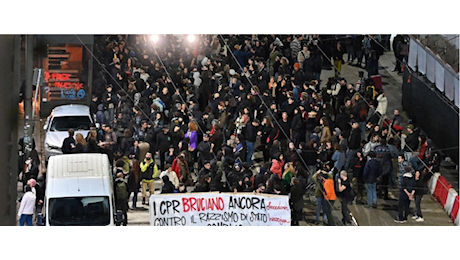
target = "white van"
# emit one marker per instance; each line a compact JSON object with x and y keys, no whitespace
{"x":79,"y":191}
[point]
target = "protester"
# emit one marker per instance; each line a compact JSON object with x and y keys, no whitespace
{"x":420,"y":190}
{"x":149,"y":170}
{"x":205,"y":113}
{"x":406,"y":194}
{"x":372,"y":171}
{"x":345,"y":194}
{"x":69,"y":143}
{"x":121,"y":196}
{"x":26,"y":209}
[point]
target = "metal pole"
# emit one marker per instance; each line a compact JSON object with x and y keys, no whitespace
{"x":28,"y":96}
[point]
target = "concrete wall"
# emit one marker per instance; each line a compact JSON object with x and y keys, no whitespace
{"x":9,"y":90}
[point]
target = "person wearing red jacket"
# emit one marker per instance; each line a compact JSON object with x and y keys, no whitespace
{"x":416,"y":161}
{"x":277,"y":165}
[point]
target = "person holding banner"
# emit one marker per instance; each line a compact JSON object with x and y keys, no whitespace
{"x":296,"y":201}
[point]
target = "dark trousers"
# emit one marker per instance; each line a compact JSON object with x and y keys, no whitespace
{"x":418,"y":200}
{"x":162,"y":160}
{"x":345,"y":210}
{"x":329,"y":207}
{"x":403,"y":206}
{"x":123,"y":206}
{"x":383,"y":189}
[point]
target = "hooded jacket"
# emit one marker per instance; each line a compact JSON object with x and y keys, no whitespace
{"x":27,"y":204}
{"x":372,"y":171}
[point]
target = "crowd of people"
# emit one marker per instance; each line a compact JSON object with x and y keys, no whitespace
{"x":201,"y":107}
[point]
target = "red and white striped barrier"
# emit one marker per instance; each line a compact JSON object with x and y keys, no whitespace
{"x":443,"y":191}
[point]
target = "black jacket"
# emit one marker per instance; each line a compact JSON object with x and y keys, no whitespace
{"x":309,"y":156}
{"x":354,"y":140}
{"x":250,"y":132}
{"x":163,"y":141}
{"x":66,"y":145}
{"x":168,"y":187}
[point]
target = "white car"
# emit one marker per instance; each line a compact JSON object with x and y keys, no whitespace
{"x":61,"y":119}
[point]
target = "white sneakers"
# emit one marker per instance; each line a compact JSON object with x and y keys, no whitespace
{"x":417,"y":218}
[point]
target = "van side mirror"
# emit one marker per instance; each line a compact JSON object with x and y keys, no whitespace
{"x":45,"y":127}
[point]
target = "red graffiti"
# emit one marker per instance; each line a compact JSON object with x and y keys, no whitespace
{"x":57,"y":76}
{"x":279,"y":207}
{"x":202,"y":204}
{"x":73,"y":85}
{"x":61,"y":80}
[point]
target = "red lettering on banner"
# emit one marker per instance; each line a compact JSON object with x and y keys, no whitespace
{"x":202,"y":204}
{"x":280,"y":220}
{"x":279,"y":207}
{"x":185,"y":202}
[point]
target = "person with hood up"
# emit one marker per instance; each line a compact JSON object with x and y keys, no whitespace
{"x":100,"y":116}
{"x":168,"y":186}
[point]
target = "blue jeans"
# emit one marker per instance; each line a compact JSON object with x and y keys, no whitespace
{"x":350,"y":155}
{"x":135,"y":198}
{"x":321,"y":203}
{"x":371,"y":189}
{"x":311,"y":169}
{"x":250,"y":147}
{"x":318,"y":78}
{"x":25,"y":219}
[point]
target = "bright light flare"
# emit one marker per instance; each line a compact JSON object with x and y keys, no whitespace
{"x":191,"y":38}
{"x":154,"y":38}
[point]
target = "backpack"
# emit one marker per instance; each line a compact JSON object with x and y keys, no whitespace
{"x":329,"y":190}
{"x":370,"y":92}
{"x":121,"y":190}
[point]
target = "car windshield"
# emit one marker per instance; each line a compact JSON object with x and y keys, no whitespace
{"x":66,"y":122}
{"x":79,"y":211}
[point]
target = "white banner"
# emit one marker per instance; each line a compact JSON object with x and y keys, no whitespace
{"x":430,"y":67}
{"x":413,"y":49}
{"x":219,"y":209}
{"x":439,"y":76}
{"x":449,"y":85}
{"x":421,"y":59}
{"x":456,"y":91}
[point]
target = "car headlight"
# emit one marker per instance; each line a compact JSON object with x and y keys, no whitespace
{"x":52,"y":146}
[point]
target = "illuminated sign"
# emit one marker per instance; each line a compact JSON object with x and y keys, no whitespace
{"x":64,"y":72}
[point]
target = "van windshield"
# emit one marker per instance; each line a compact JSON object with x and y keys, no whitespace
{"x":64,"y":123}
{"x":79,"y":211}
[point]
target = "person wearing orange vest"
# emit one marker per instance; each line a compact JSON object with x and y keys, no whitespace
{"x":328,"y":189}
